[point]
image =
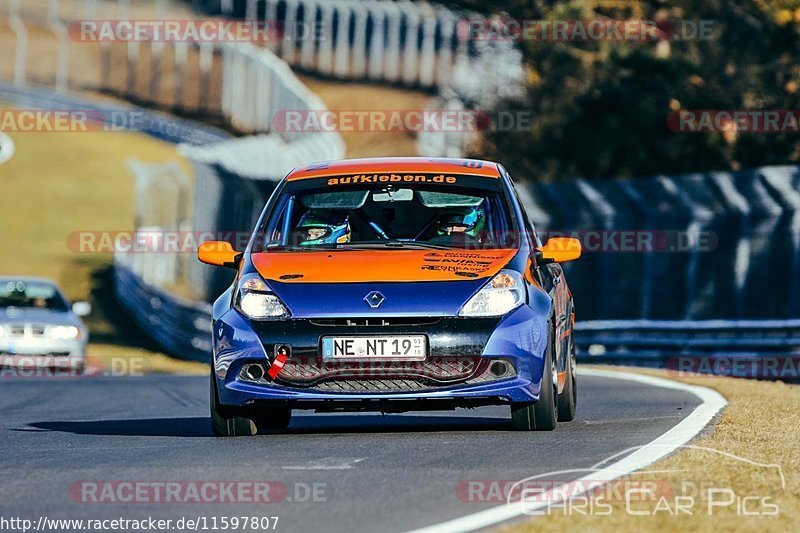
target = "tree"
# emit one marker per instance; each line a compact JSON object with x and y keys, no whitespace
{"x":601,"y":107}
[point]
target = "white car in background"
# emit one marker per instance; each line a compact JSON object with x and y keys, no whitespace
{"x":39,"y":328}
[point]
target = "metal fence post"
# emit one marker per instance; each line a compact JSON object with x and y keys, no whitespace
{"x":290,"y":26}
{"x":308,"y":45}
{"x":444,"y":62}
{"x":342,"y":59}
{"x":271,"y":23}
{"x":60,"y":31}
{"x":410,"y":48}
{"x":427,"y":54}
{"x":325,"y":53}
{"x":376,"y":45}
{"x":359,"y":65}
{"x":391,"y":66}
{"x":206,"y":62}
{"x":21,"y":32}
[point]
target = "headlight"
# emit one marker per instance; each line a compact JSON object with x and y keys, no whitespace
{"x":256,"y":301}
{"x":64,"y":333}
{"x":503,"y":293}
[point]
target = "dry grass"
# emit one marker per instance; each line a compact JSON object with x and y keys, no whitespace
{"x":354,"y":96}
{"x":61,"y":183}
{"x":132,"y":361}
{"x":762,"y":424}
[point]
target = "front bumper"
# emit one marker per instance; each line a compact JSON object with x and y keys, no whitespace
{"x":518,"y":338}
{"x":41,"y":352}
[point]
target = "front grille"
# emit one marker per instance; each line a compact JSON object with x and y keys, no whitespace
{"x":306,"y":371}
{"x":397,"y":385}
{"x":380,"y":321}
{"x":27,"y":330}
{"x":383,"y":376}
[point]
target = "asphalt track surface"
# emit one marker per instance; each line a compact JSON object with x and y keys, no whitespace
{"x":372,"y":472}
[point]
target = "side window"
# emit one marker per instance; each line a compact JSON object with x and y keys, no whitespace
{"x":533,"y":238}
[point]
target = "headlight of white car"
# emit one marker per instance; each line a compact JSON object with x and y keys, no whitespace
{"x":65,"y":333}
{"x":256,"y":301}
{"x":503,"y":293}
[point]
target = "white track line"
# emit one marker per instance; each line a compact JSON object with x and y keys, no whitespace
{"x":683,"y":432}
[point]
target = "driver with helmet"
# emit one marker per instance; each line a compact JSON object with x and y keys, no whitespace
{"x":318,"y":226}
{"x":468,"y":222}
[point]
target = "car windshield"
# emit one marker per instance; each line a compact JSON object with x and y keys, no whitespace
{"x":422,"y":212}
{"x":31,"y":294}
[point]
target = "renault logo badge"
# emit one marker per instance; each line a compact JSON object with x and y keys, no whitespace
{"x":374,"y":299}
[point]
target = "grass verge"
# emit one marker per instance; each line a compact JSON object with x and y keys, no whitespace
{"x":60,"y":183}
{"x":761,"y":423}
{"x":357,"y":96}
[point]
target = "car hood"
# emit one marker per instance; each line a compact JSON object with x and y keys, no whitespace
{"x":362,"y":266}
{"x":17,"y":315}
{"x":410,"y":282}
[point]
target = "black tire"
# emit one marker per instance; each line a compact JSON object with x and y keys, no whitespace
{"x":227,"y":426}
{"x":272,"y":417}
{"x":568,"y":399}
{"x":542,"y":415}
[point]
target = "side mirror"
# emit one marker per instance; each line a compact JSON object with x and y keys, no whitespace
{"x":82,"y":308}
{"x":559,"y":250}
{"x":219,"y":253}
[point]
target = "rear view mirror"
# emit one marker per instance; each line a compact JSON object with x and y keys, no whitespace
{"x":82,"y":308}
{"x":559,"y":250}
{"x":400,"y":195}
{"x":219,"y":253}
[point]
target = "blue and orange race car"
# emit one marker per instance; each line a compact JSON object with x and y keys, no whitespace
{"x":393,"y":285}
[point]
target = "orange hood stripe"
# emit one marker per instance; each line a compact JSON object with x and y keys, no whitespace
{"x":356,"y":266}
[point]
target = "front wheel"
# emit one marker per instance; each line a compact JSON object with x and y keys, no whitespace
{"x":542,"y":415}
{"x":273,"y":417}
{"x":224,"y":425}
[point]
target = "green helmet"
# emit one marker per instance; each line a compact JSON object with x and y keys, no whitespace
{"x":323,"y":227}
{"x":467,"y":220}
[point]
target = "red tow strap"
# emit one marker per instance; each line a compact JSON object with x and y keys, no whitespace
{"x":277,"y":365}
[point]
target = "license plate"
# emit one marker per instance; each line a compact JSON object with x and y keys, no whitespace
{"x":393,"y":347}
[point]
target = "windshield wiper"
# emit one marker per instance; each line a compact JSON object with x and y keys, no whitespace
{"x":389,"y":243}
{"x":412,"y":244}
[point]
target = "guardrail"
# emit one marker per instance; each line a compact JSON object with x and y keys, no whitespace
{"x":181,"y":327}
{"x":695,"y":247}
{"x":637,"y":341}
{"x":166,"y":128}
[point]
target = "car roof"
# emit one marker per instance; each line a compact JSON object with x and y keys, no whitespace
{"x":472,"y":167}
